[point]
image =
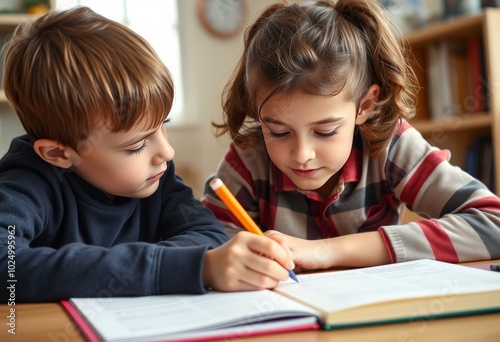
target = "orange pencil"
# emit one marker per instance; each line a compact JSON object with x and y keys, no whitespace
{"x":235,"y":207}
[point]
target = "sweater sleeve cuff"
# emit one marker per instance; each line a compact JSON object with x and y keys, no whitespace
{"x":181,"y":270}
{"x":388,"y":246}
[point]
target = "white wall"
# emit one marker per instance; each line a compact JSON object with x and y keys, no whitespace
{"x":208,"y":63}
{"x":10,"y":127}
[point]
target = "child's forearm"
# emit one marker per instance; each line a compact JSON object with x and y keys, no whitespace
{"x":358,"y":250}
{"x":354,"y":250}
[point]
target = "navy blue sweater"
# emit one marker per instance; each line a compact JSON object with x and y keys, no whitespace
{"x":61,"y":237}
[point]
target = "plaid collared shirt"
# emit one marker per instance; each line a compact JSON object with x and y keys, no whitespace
{"x":463,"y":215}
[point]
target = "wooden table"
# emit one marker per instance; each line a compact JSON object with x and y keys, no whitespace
{"x":49,"y":322}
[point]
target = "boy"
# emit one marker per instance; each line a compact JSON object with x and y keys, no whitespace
{"x":89,"y":201}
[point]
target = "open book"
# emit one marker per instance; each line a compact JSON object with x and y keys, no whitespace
{"x":391,"y":293}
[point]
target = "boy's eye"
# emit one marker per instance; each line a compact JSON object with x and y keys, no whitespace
{"x":164,"y":124}
{"x":137,"y":150}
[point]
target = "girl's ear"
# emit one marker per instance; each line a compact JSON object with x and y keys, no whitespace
{"x":55,"y":153}
{"x":367,"y":104}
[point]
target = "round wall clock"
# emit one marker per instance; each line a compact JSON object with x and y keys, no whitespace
{"x":222,"y":18}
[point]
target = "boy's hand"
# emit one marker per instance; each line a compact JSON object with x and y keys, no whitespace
{"x":246,"y":262}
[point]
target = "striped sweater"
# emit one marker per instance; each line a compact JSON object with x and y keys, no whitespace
{"x":461,"y":217}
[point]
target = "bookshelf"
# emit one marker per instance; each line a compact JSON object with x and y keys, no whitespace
{"x":459,"y":131}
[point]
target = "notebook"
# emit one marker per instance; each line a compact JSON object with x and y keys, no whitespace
{"x":408,"y":291}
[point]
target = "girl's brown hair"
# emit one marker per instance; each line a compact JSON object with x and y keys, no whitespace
{"x":69,"y":71}
{"x":321,"y":49}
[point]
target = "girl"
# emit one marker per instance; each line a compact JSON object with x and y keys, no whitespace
{"x":323,"y":156}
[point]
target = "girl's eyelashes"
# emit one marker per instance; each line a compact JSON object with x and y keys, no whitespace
{"x":278,"y":135}
{"x":327,"y":135}
{"x":166,"y":121}
{"x":319,"y":134}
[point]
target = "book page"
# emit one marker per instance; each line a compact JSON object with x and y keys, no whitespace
{"x":240,"y":312}
{"x":332,"y":291}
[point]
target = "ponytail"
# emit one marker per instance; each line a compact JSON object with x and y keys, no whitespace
{"x":389,"y":68}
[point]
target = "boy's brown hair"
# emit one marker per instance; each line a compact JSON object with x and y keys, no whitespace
{"x":71,"y":70}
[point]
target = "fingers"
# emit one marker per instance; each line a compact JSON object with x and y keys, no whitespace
{"x":278,"y":237}
{"x":246,"y":262}
{"x":307,"y":254}
{"x":282,"y":240}
{"x":260,"y":264}
{"x":231,"y":272}
{"x":261,"y":273}
{"x":276,"y":250}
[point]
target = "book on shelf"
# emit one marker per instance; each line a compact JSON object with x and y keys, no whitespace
{"x":479,"y":161}
{"x":435,"y":97}
{"x":457,"y":78}
{"x":478,"y":79}
{"x":451,"y":9}
{"x":486,"y":168}
{"x":472,"y":157}
{"x":444,"y":97}
{"x":407,"y":291}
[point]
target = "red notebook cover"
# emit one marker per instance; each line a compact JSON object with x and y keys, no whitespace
{"x":80,"y":322}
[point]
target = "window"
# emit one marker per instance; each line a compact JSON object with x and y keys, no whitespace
{"x":156,"y":21}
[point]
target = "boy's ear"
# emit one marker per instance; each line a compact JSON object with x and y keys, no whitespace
{"x":367,"y":104}
{"x":55,"y":153}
